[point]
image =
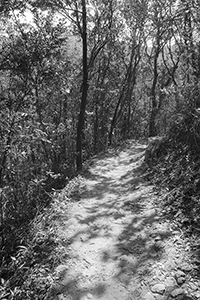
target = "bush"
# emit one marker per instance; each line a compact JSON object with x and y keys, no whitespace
{"x":175,"y":164}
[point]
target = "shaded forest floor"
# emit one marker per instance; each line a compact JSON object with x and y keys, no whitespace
{"x":114,"y":239}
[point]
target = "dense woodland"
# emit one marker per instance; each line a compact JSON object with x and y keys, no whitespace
{"x":78,"y":76}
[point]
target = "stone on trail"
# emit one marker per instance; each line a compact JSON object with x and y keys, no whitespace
{"x":197,"y":295}
{"x":185,"y":268}
{"x":179,"y":273}
{"x":150,"y":213}
{"x":180,"y":280}
{"x":158,"y":288}
{"x":89,"y":296}
{"x":170,"y":284}
{"x":180,"y":277}
{"x":177,"y":292}
{"x":159,"y":245}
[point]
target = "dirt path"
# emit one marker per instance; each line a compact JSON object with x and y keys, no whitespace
{"x":120,"y":248}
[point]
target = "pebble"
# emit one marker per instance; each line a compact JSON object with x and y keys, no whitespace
{"x":158,"y":288}
{"x":170,"y":284}
{"x":193,"y":286}
{"x":159,"y":244}
{"x":176,"y":292}
{"x":197,"y":295}
{"x":150,"y":213}
{"x":143,"y":236}
{"x":180,"y":277}
{"x":180,"y":280}
{"x":185,"y":268}
{"x":179,"y":273}
{"x":170,"y":281}
{"x":135,"y":293}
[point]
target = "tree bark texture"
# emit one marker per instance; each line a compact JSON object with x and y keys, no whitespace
{"x":154,"y":109}
{"x":81,"y":117}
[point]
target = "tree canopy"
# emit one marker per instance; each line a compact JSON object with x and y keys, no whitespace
{"x":82,"y":75}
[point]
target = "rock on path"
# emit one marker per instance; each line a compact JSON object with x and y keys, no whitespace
{"x":120,"y":248}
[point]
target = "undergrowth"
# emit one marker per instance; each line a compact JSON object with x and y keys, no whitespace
{"x":174,"y":164}
{"x":29,"y":273}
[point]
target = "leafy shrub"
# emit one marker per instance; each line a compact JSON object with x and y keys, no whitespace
{"x":176,"y":166}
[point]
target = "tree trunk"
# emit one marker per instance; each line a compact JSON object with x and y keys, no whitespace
{"x":152,"y":122}
{"x":114,"y":119}
{"x":128,"y":126}
{"x":154,"y":109}
{"x":99,"y":97}
{"x":96,"y":126}
{"x":81,"y":117}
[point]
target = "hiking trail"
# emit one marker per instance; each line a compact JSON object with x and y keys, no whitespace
{"x":119,"y":245}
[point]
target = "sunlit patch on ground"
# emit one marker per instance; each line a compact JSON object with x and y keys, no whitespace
{"x":119,"y":246}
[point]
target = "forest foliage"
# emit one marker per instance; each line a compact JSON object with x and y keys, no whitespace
{"x":78,"y":76}
{"x":174,"y":164}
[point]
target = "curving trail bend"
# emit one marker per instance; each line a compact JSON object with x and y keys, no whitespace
{"x":120,"y":247}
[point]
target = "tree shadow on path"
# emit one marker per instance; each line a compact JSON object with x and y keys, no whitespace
{"x":119,"y":221}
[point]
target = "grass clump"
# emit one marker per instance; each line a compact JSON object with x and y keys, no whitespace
{"x":29,"y":273}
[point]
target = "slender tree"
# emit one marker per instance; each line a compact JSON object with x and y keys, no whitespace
{"x":84,"y":89}
{"x":160,"y":24}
